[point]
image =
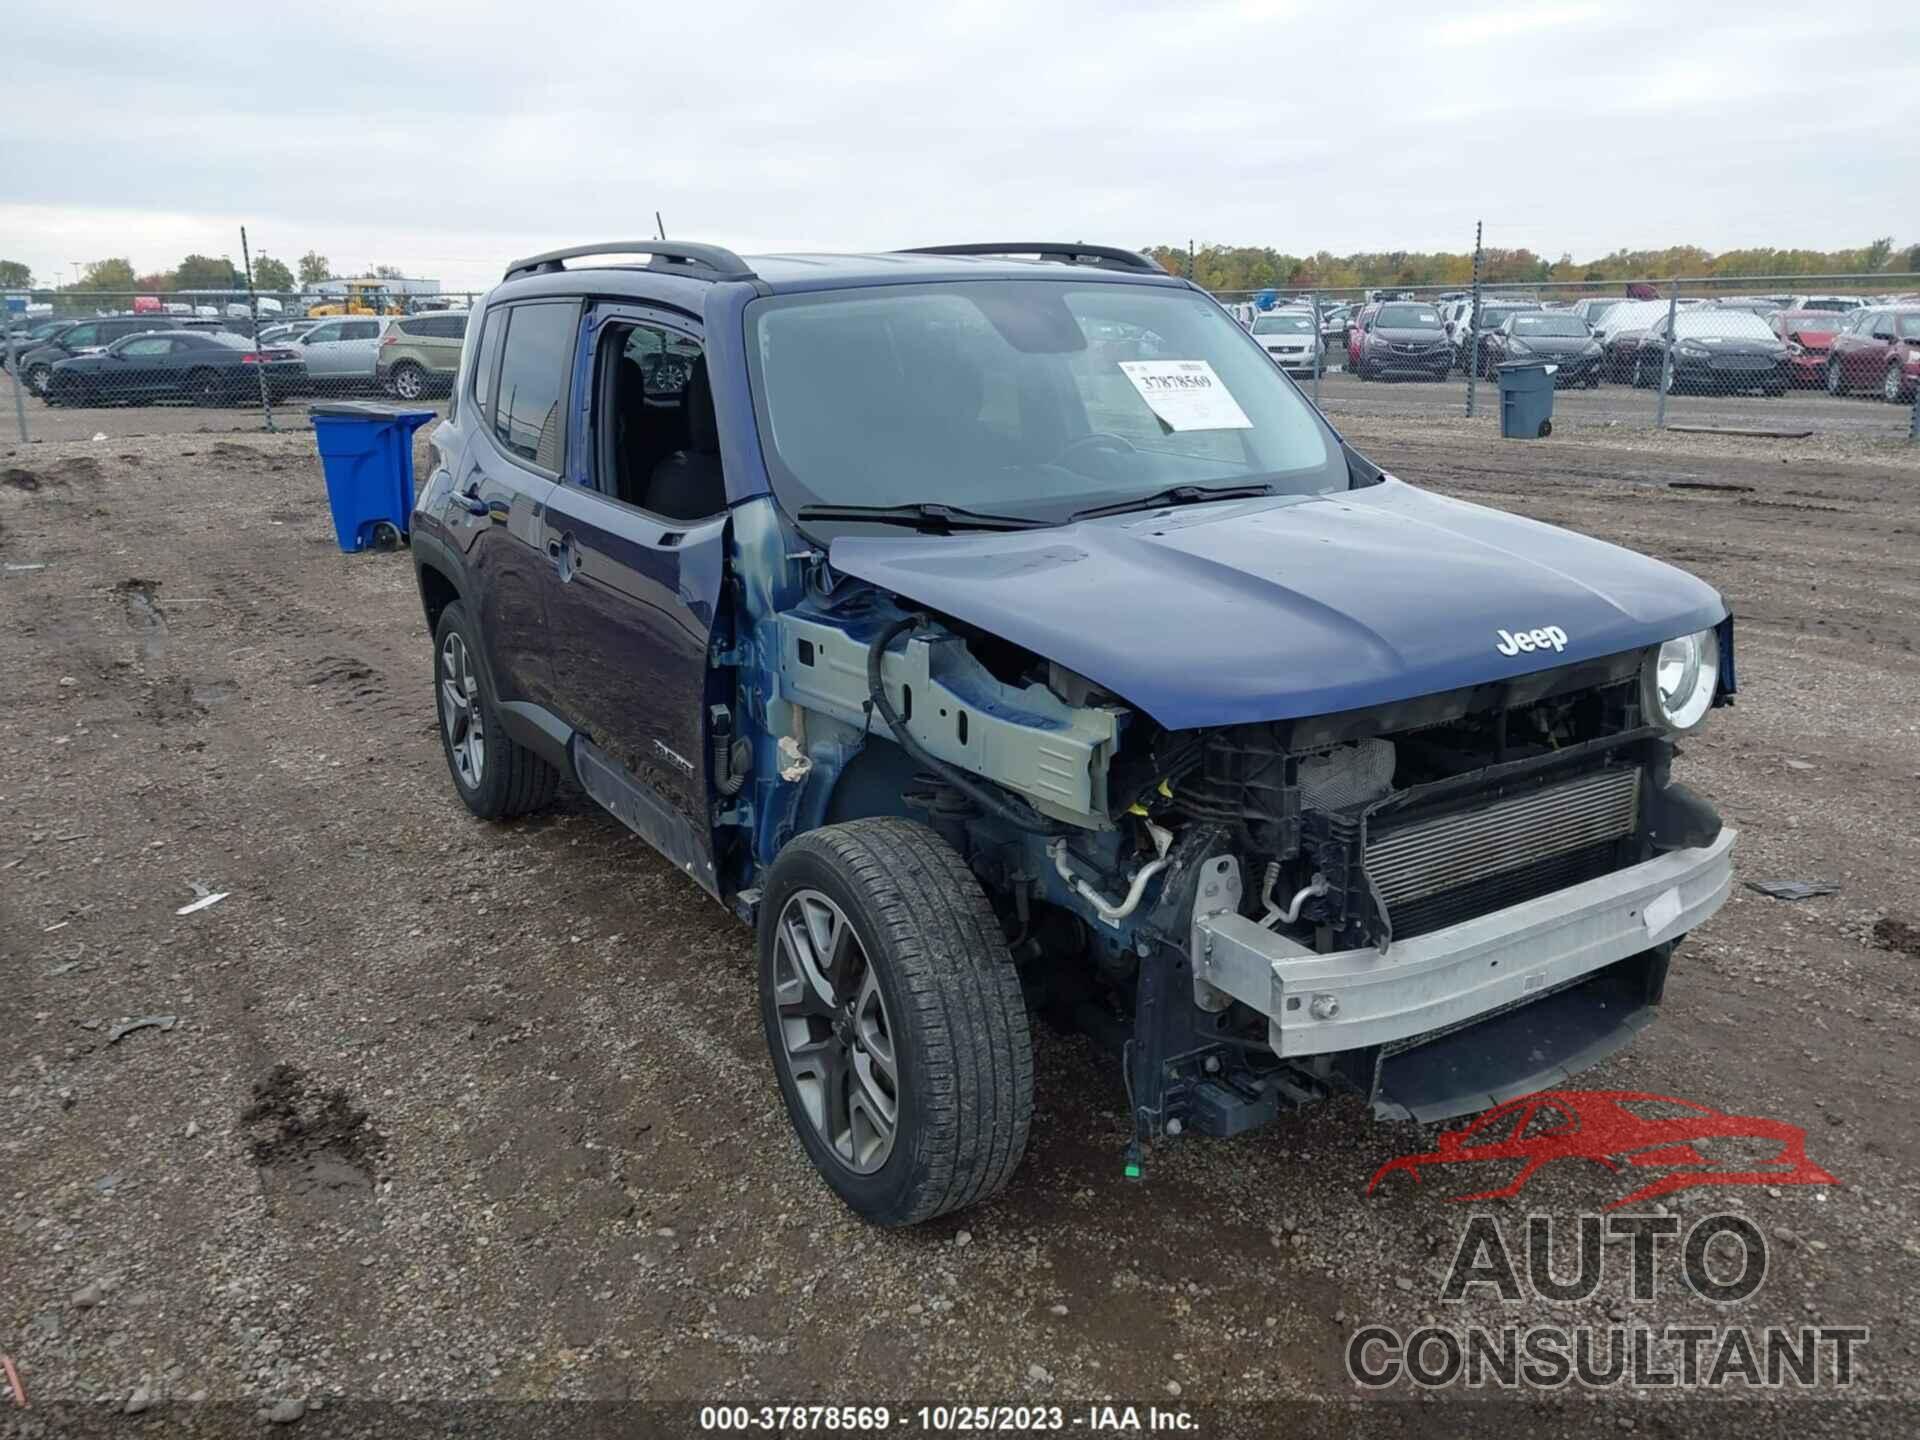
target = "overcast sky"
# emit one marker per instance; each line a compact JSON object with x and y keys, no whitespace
{"x":449,"y":138}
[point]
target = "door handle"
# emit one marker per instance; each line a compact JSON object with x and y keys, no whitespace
{"x":564,"y":554}
{"x":469,"y":498}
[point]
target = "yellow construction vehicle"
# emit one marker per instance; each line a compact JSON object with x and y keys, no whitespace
{"x":363,"y":297}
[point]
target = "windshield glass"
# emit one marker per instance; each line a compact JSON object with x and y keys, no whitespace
{"x":1408,"y":317}
{"x":1022,"y":397}
{"x":1529,"y":326}
{"x":1283,"y":325}
{"x":1726,"y":324}
{"x":1819,"y":322}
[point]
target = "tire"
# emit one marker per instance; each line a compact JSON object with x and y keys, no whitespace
{"x":205,"y":387}
{"x":496,"y":777}
{"x":1892,"y":383}
{"x":1836,"y":381}
{"x":409,"y":381}
{"x":920,"y":936}
{"x":37,"y":377}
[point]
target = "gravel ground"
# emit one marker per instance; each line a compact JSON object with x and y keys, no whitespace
{"x":441,"y":1111}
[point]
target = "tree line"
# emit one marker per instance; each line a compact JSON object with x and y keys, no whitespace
{"x":1250,"y":267}
{"x":116,"y":275}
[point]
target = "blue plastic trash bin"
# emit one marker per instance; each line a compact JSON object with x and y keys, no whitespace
{"x":367,"y":453}
{"x":1526,"y":401}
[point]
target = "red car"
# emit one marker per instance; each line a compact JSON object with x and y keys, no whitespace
{"x":1808,"y":334}
{"x":1619,"y":1129}
{"x":1357,"y":334}
{"x":1877,"y":349}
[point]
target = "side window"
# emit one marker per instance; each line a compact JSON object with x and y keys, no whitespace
{"x":456,"y":326}
{"x":151,"y":345}
{"x":486,"y":364}
{"x":529,"y":417}
{"x":360,"y":330}
{"x":321,"y":333}
{"x":81,"y":335}
{"x":656,"y":444}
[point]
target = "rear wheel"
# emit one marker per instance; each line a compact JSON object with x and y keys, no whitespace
{"x":409,"y":381}
{"x":895,"y":1020}
{"x":497,"y":778}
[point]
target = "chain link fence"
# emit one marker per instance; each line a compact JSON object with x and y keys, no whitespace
{"x":1785,"y":355}
{"x":1764,"y":354}
{"x":85,"y":363}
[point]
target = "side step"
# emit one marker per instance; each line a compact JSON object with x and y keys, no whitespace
{"x":642,"y":811}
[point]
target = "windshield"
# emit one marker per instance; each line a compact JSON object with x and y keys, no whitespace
{"x":1819,"y":322}
{"x":1723,"y":324}
{"x":1022,"y":397}
{"x":1526,"y":327}
{"x":1283,"y":325}
{"x":1407,"y":317}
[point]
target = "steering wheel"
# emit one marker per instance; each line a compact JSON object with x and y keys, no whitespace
{"x":1098,"y":440}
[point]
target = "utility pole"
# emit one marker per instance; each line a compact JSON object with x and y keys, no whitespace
{"x":253,"y":308}
{"x":1666,"y":359}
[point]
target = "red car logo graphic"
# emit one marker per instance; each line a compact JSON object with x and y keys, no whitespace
{"x":1623,"y":1130}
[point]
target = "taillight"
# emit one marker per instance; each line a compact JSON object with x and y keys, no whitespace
{"x":250,"y":359}
{"x":391,"y":338}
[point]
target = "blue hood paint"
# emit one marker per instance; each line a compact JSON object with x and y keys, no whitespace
{"x":1278,"y":608}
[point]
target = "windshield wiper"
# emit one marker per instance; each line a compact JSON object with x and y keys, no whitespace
{"x":922,"y":515}
{"x":1175,"y":495}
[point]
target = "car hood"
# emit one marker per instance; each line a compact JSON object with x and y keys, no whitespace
{"x":1729,"y":345}
{"x":1811,"y":339}
{"x":1281,"y":607}
{"x":1409,"y":337}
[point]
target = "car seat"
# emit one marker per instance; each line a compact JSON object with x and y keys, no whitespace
{"x":687,"y":484}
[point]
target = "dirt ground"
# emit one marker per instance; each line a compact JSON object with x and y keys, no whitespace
{"x":435,"y":1110}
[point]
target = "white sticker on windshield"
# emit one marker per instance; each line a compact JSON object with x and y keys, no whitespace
{"x":1186,"y":394}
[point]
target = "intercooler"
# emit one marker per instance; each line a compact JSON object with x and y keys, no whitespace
{"x":1438,"y":871}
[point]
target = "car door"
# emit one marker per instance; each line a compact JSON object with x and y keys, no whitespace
{"x":1880,"y":348}
{"x":635,"y":535}
{"x":1845,"y":352}
{"x":359,"y":349}
{"x":139,"y":366}
{"x":321,"y":348}
{"x":502,"y":481}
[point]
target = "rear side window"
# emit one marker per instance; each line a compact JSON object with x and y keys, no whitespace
{"x":360,"y":330}
{"x":535,"y":365}
{"x":487,"y":364}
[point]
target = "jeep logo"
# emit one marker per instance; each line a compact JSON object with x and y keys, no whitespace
{"x":1548,"y":635}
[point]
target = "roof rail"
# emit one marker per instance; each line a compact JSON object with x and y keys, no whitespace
{"x":718,"y":262}
{"x":1107,"y":257}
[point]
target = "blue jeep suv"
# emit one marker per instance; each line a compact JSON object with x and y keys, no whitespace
{"x":1002,"y":635}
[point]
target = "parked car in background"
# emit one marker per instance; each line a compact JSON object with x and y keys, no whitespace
{"x":1493,"y":314}
{"x":1713,"y":352}
{"x":83,"y":337}
{"x":419,"y":354}
{"x":342,"y":352}
{"x":1807,"y":334}
{"x":29,"y":331}
{"x":1335,"y":321}
{"x":206,"y":367}
{"x":1356,"y":332}
{"x":285,"y":332}
{"x":1840,"y":304}
{"x":1289,"y":336}
{"x":1876,"y":350}
{"x":1619,"y":331}
{"x":1766,"y":307}
{"x":1591,"y":307}
{"x":1403,"y":337}
{"x":1553,"y":337}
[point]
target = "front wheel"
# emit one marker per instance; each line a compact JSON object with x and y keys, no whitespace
{"x":894,"y":1016}
{"x":38,"y":377}
{"x":1892,"y":384}
{"x":1836,"y":383}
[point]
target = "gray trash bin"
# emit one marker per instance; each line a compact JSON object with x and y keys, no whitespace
{"x":1526,"y":401}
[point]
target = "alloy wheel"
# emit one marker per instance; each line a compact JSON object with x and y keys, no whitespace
{"x":1834,"y":387}
{"x":837,"y":1037}
{"x":460,"y":712}
{"x":1890,"y":387}
{"x":408,"y":383}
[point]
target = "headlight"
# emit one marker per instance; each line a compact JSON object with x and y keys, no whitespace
{"x":1690,"y":347}
{"x":1679,"y":678}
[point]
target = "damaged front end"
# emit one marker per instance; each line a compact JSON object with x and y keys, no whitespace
{"x":1434,"y":904}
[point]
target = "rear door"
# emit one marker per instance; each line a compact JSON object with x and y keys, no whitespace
{"x":140,"y":368}
{"x":359,"y":348}
{"x":635,"y":536}
{"x":321,"y":348}
{"x":515,"y":413}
